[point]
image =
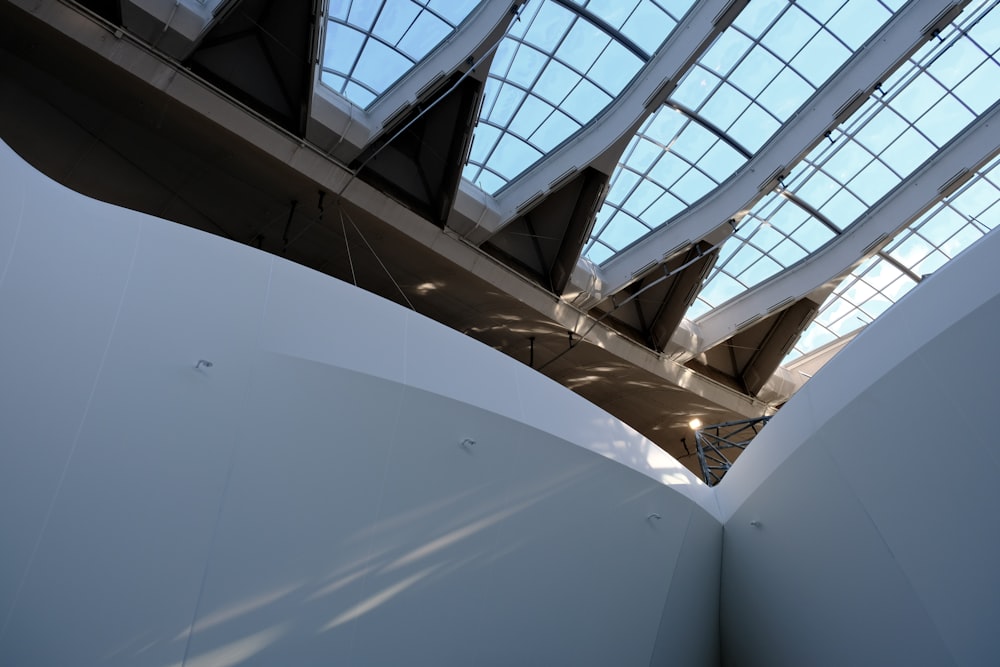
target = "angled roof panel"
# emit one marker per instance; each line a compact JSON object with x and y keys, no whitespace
{"x":923,"y":247}
{"x":561,"y":64}
{"x":368,"y":46}
{"x":917,"y":110}
{"x":756,"y":75}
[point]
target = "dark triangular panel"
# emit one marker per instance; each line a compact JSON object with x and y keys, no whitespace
{"x":751,"y":356}
{"x":260,"y":53}
{"x":418,"y":158}
{"x":785,"y":329}
{"x":651,"y":307}
{"x":545,"y":241}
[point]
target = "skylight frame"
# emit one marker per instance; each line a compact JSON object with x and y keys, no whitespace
{"x":939,"y":235}
{"x":750,"y":38}
{"x":874,"y":174}
{"x":520,"y":122}
{"x":445,"y":15}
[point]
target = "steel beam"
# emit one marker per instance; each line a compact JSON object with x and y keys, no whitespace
{"x":344,"y":130}
{"x":827,"y":108}
{"x":967,"y":152}
{"x":719,"y":444}
{"x":617,"y":124}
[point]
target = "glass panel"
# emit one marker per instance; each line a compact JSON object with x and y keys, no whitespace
{"x":790,"y":33}
{"x":918,"y":110}
{"x":776,"y":227}
{"x":921,"y":248}
{"x":368,"y":46}
{"x":646,"y":23}
{"x":754,"y":77}
{"x":569,"y":68}
{"x":426,"y":32}
{"x":922,"y":106}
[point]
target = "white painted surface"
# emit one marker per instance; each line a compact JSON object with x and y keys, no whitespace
{"x":293,"y":295}
{"x":308,"y":494}
{"x":876,"y":493}
{"x":306,"y":497}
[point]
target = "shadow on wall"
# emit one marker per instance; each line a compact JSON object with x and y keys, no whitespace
{"x":317,"y":499}
{"x":246,"y":627}
{"x":502,"y":548}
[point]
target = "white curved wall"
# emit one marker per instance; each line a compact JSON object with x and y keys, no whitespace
{"x":306,"y":499}
{"x":876,"y":490}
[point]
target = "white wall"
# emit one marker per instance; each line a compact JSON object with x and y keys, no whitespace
{"x":876,"y":489}
{"x":306,"y":499}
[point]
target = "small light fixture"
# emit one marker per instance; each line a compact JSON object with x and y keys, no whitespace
{"x":695,"y":424}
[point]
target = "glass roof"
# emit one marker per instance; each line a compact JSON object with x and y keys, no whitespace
{"x":369,"y":45}
{"x":754,"y":77}
{"x":923,"y":247}
{"x":922,"y":106}
{"x":561,"y":64}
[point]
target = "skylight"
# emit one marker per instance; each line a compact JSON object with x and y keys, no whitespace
{"x":923,"y":247}
{"x":561,"y":64}
{"x":368,"y":46}
{"x":917,"y":110}
{"x":753,"y":78}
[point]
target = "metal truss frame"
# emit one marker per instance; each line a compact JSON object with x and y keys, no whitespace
{"x":715,"y":440}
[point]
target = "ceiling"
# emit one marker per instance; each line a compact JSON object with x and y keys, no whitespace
{"x":221,"y":139}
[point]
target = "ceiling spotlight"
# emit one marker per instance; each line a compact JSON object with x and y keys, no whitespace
{"x":695,"y":424}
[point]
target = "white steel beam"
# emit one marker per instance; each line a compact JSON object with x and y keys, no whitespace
{"x":617,"y":124}
{"x":344,"y":129}
{"x":967,"y":152}
{"x":827,"y":108}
